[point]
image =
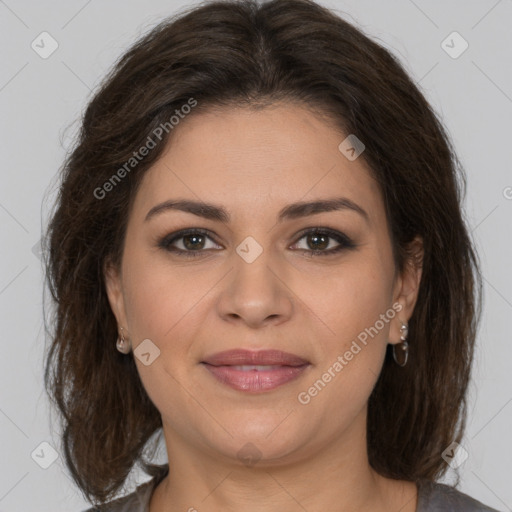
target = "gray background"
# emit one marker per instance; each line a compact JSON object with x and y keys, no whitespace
{"x":41,"y":99}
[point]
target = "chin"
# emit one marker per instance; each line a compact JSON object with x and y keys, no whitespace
{"x":254,"y":445}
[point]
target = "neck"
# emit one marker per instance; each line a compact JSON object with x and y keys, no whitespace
{"x":337,"y":477}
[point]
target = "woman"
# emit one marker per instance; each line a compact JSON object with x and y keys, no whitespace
{"x":264,"y":212}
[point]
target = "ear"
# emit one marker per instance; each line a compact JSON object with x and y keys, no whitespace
{"x":407,"y":287}
{"x":114,"y":288}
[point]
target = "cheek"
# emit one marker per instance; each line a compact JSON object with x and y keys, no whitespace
{"x":146,"y":298}
{"x":350,"y":298}
{"x":168,"y":305}
{"x":356,"y":307}
{"x":156,"y":296}
{"x":159,"y":305}
{"x":354,"y":303}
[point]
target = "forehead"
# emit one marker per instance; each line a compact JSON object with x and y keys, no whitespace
{"x":252,"y":159}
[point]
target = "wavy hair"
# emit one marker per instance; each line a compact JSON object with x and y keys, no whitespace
{"x":246,"y":53}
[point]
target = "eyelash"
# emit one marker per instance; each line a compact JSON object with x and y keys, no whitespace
{"x":344,"y":241}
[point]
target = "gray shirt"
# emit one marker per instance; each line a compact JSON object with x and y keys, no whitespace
{"x":432,"y":497}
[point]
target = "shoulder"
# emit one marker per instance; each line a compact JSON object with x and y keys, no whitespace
{"x":434,"y":496}
{"x":137,"y":501}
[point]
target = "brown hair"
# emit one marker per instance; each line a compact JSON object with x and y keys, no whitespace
{"x":245,"y":53}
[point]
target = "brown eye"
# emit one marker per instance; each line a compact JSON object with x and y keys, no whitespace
{"x":188,"y":243}
{"x":193,"y":242}
{"x":317,"y":241}
{"x":320,"y":241}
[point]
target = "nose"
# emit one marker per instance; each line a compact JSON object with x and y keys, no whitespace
{"x":256,"y":294}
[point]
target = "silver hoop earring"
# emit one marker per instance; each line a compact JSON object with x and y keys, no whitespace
{"x":402,"y":355}
{"x":122,"y":345}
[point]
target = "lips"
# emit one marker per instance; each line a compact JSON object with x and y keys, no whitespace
{"x":255,"y":371}
{"x":242,"y":357}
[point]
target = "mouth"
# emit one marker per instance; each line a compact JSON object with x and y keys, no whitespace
{"x":242,"y":357}
{"x":255,"y":371}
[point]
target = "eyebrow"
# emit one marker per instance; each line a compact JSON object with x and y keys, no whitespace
{"x":291,"y":211}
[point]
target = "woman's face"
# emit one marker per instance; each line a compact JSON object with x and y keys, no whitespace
{"x":250,"y":281}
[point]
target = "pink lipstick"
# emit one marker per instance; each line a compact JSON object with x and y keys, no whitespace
{"x":255,"y":371}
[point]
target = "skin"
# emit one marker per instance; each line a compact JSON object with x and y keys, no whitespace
{"x":313,"y":457}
